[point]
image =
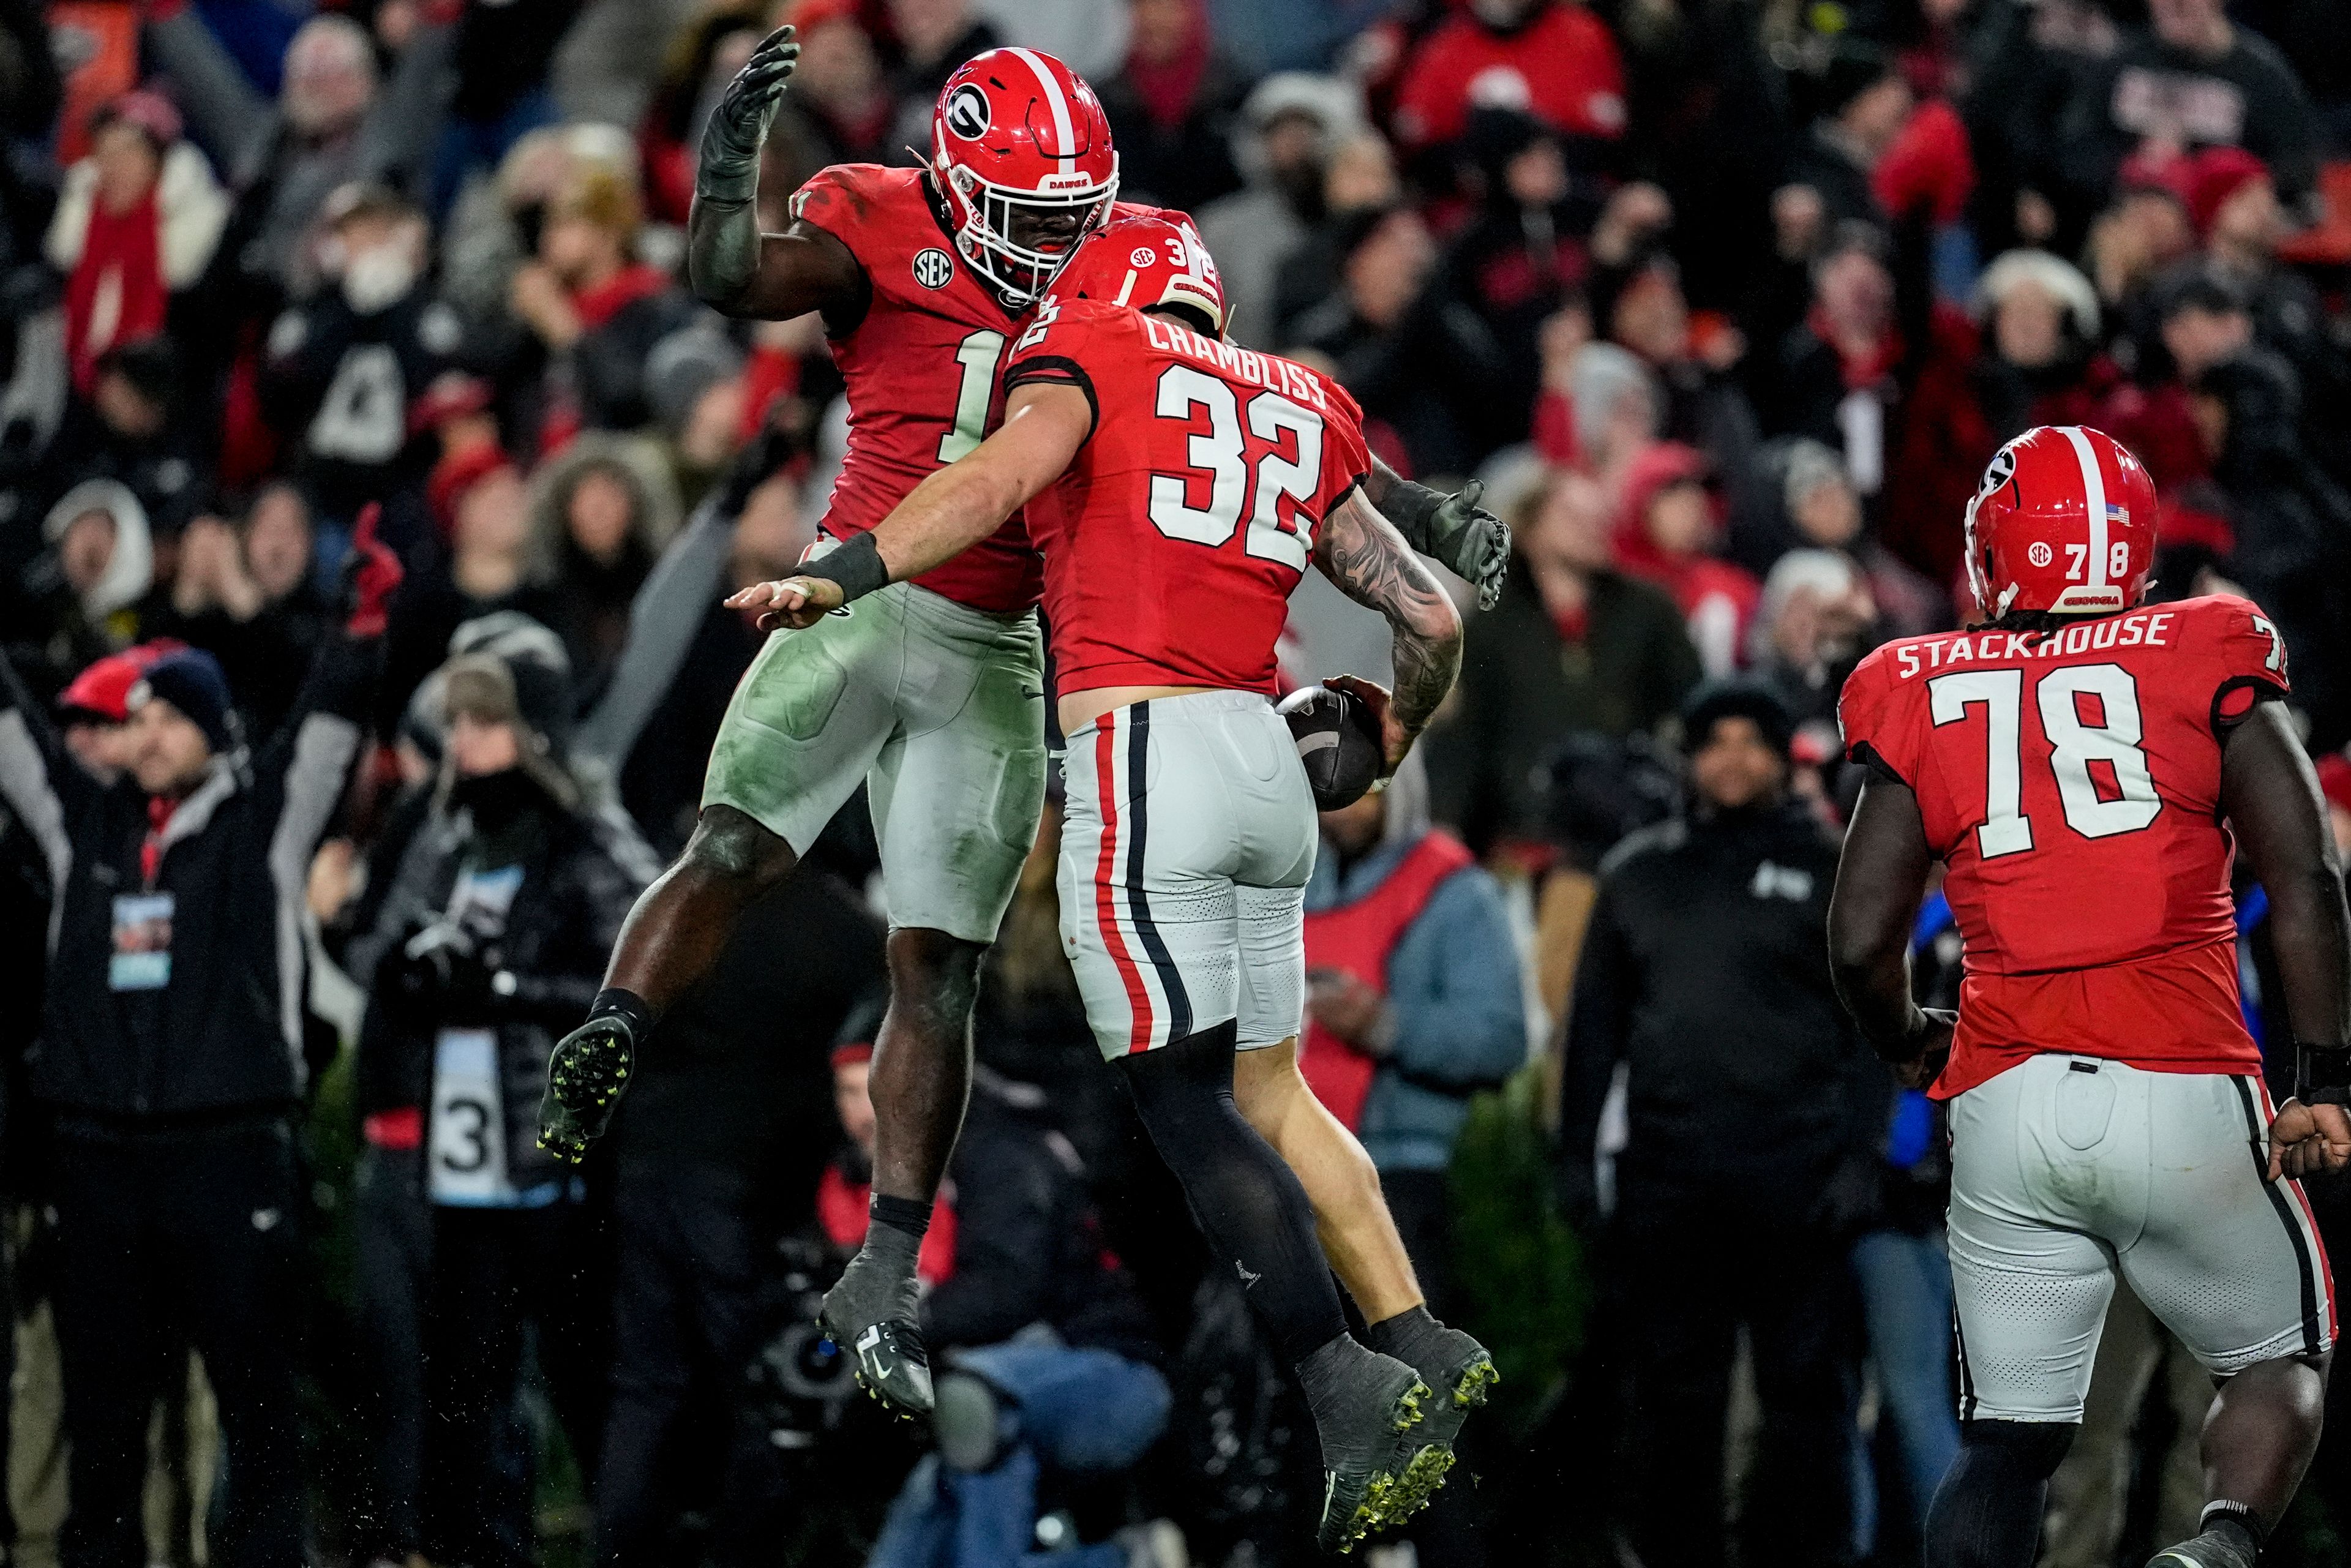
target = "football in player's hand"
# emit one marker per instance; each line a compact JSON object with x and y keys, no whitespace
{"x":1338,"y":739}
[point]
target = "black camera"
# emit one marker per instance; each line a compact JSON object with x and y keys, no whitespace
{"x":801,"y":1382}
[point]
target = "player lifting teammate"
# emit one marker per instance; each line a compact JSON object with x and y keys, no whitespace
{"x":1177,"y":487}
{"x":930,"y":693}
{"x":2085,"y":767}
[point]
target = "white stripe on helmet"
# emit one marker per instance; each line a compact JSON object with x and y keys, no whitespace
{"x":2093,"y":496}
{"x":1058,"y":104}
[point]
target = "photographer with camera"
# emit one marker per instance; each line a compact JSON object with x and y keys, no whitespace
{"x":170,"y":1063}
{"x":507,"y":900}
{"x":1043,"y":1349}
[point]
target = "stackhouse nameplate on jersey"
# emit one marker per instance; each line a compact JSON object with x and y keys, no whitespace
{"x":2071,"y":783}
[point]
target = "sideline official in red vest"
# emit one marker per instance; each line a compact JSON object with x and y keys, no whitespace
{"x":1414,"y":999}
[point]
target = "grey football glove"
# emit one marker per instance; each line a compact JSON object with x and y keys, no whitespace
{"x":728,"y":169}
{"x":1473,"y":541}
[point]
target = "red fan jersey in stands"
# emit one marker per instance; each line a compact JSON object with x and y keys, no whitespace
{"x":2071,"y":785}
{"x":921,"y":367}
{"x":1173,"y":542}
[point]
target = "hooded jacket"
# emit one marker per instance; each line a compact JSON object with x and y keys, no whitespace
{"x":77,"y":628}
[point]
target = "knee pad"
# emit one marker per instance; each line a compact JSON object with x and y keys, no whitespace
{"x":971,"y":1421}
{"x":2034,"y":1448}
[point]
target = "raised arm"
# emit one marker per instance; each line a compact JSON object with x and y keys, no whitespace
{"x":1880,"y":880}
{"x":954,"y":508}
{"x":732,"y":266}
{"x":730,"y":262}
{"x":1361,"y":553}
{"x":1470,"y":541}
{"x":2270,"y":794}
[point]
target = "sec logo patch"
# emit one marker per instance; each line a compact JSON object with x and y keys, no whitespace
{"x":934,"y":268}
{"x":1143,"y":255}
{"x":968,"y":111}
{"x":2041,"y":554}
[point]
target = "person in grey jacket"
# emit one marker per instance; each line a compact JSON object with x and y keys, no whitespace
{"x":1413,"y":999}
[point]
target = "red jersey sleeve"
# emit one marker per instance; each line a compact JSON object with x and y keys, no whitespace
{"x":2244,"y":653}
{"x":1062,"y":339}
{"x":1870,"y":714}
{"x":1346,"y":456}
{"x":836,"y":200}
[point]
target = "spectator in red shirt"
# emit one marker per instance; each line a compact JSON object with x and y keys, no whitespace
{"x":1558,"y":62}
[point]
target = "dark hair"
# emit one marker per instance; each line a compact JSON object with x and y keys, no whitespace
{"x":2198,"y":287}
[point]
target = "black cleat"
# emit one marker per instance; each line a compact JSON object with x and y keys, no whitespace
{"x":1366,"y":1409}
{"x":1462,"y":1374}
{"x":585,"y":1077}
{"x":2213,"y":1548}
{"x":873,"y":1318}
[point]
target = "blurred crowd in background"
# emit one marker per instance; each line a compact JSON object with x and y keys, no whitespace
{"x":369,"y":483}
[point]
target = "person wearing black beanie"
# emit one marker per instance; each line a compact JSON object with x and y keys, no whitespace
{"x":190,"y":683}
{"x":1756,"y":703}
{"x":171,"y":1062}
{"x":1755,"y":1115}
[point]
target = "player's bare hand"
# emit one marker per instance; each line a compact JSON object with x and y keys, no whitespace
{"x":797,"y":602}
{"x":1393,"y":740}
{"x":1933,"y":1037}
{"x":2309,"y":1140}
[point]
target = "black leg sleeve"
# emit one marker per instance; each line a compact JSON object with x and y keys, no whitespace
{"x":1248,"y":1203}
{"x":1987,"y":1512}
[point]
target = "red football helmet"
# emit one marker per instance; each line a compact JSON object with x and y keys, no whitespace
{"x":1021,"y":151}
{"x":1142,"y":262}
{"x":2064,"y":521}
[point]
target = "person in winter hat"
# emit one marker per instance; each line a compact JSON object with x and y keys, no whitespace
{"x":138,"y":221}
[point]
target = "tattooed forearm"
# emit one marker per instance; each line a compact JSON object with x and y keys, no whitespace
{"x":1361,"y":552}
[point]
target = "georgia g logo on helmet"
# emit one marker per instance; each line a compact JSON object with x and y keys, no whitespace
{"x":1022,"y":158}
{"x":967,"y":113}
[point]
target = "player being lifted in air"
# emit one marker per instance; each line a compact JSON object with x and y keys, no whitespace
{"x":2085,"y":767}
{"x":930,"y":696}
{"x":1177,"y":488}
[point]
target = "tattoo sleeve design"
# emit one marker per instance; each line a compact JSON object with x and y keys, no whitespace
{"x":1361,"y":552}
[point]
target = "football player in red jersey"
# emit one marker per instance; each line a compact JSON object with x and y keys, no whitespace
{"x":1177,"y":487}
{"x":930,"y":697}
{"x":2085,"y":765}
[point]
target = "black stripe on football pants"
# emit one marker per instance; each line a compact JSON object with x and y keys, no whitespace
{"x":2313,"y":1336}
{"x":1138,"y":901}
{"x":1967,"y":1380}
